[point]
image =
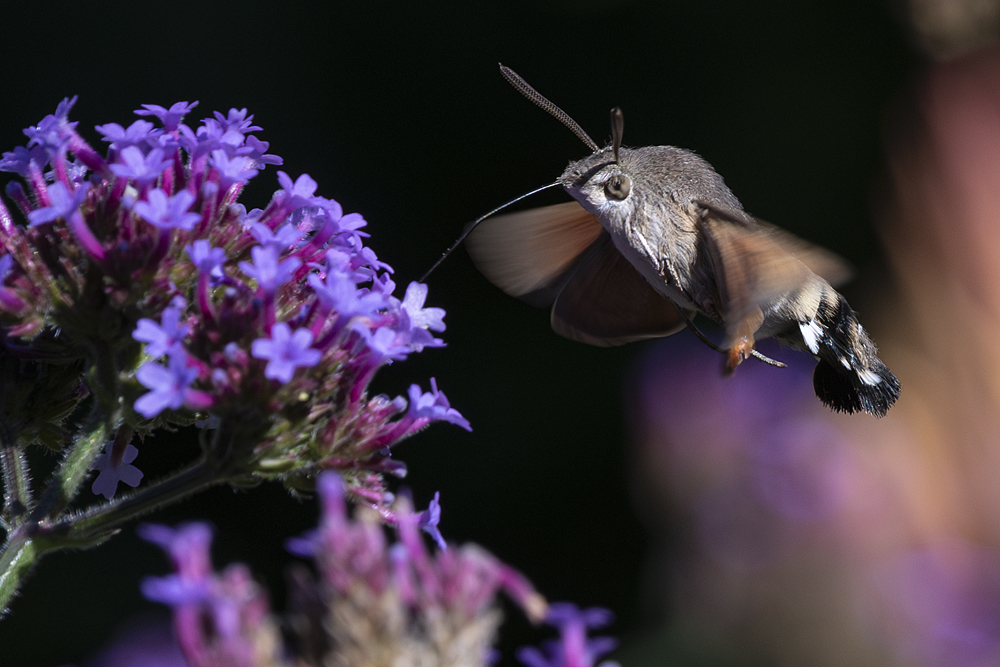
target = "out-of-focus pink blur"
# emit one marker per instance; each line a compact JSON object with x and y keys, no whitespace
{"x":796,"y":536}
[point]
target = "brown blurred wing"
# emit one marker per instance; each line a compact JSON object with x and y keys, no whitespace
{"x":826,"y":264}
{"x":526,"y":254}
{"x":606,"y":301}
{"x":751,"y":263}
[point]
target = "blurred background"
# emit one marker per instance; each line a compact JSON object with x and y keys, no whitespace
{"x":725,"y":522}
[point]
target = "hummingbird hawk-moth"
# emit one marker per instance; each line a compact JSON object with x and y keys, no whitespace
{"x":653,"y":237}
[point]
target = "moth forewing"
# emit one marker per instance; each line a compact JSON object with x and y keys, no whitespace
{"x":527,"y":252}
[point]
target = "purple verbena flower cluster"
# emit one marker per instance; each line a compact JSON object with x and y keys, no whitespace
{"x":219,"y":619}
{"x":142,"y":265}
{"x":373,"y":604}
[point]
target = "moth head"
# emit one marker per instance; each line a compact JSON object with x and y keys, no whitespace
{"x":602,"y":179}
{"x":598,"y":180}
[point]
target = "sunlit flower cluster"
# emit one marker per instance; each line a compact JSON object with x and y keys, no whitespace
{"x":140,"y":266}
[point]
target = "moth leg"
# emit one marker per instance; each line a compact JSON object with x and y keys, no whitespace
{"x":741,"y":339}
{"x":768,"y":360}
{"x":735,"y":355}
{"x":707,"y":341}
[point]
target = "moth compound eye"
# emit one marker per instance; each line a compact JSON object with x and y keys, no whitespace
{"x":618,"y":187}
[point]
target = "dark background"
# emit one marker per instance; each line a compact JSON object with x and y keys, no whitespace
{"x":399,"y":112}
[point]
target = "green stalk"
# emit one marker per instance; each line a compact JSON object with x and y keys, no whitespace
{"x":17,"y":499}
{"x":16,"y":560}
{"x":100,"y":521}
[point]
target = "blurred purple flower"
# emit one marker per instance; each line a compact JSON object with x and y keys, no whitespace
{"x":166,"y":212}
{"x":64,"y":204}
{"x":165,"y":337}
{"x":144,"y":169}
{"x":942,"y":604}
{"x":205,"y":258}
{"x":18,"y":160}
{"x":300,"y":193}
{"x":573,"y":648}
{"x":51,"y":131}
{"x":219,"y":619}
{"x":429,"y":520}
{"x":120,"y":137}
{"x":232,"y":170}
{"x":266,"y":269}
{"x":171,"y":117}
{"x":803,"y":468}
{"x":170,"y":386}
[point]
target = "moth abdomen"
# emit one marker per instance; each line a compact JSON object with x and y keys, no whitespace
{"x":849,"y":377}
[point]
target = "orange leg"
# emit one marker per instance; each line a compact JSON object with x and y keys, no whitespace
{"x":740,"y":350}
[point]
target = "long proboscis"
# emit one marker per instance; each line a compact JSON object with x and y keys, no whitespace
{"x":472,"y":225}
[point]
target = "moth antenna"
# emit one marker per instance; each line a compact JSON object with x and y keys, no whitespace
{"x":707,"y":341}
{"x":617,"y":127}
{"x":472,"y":225}
{"x":536,"y":97}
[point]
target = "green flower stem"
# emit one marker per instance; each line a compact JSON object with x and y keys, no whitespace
{"x":28,"y":542}
{"x":24,"y":543}
{"x":16,"y":485}
{"x":74,"y":468}
{"x":100,"y":521}
{"x":18,"y":557}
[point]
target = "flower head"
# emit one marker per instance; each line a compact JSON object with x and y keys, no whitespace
{"x":160,"y":253}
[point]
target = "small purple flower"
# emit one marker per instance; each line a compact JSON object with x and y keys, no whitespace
{"x":170,"y":386}
{"x":236,"y":121}
{"x":232,"y":170}
{"x":283,"y":237}
{"x":340,"y":292}
{"x":300,"y":193}
{"x":18,"y":160}
{"x":143,"y":168}
{"x":429,"y":520}
{"x":51,"y":132}
{"x":206,"y":258}
{"x":64,"y":204}
{"x":368,"y":258}
{"x":386,"y":343}
{"x":434,"y":406}
{"x":267,"y":271}
{"x":256,"y":150}
{"x":165,"y":337}
{"x":171,"y":117}
{"x":413,"y":304}
{"x":136,"y":133}
{"x":285,"y":351}
{"x":166,"y":212}
{"x":113,"y":470}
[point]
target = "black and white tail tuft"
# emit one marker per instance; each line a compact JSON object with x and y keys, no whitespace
{"x":849,"y":376}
